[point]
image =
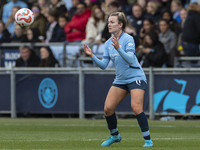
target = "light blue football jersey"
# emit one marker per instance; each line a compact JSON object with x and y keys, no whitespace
{"x":127,"y":67}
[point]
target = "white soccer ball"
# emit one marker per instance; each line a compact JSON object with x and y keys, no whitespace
{"x":24,"y":17}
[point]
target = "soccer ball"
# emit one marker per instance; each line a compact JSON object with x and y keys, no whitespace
{"x":24,"y":17}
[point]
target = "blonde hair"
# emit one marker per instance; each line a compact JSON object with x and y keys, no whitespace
{"x":178,"y":2}
{"x":155,"y":5}
{"x":121,"y":18}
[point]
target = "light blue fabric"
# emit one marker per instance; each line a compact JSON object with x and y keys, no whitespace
{"x":126,"y":64}
{"x":101,"y":63}
{"x":128,"y":57}
{"x":68,"y":4}
{"x":11,"y":28}
{"x":146,"y":133}
{"x":7,"y":9}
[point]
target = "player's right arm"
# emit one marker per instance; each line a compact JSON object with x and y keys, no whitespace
{"x":100,"y":63}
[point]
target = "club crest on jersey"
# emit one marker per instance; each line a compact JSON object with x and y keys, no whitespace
{"x":48,"y":93}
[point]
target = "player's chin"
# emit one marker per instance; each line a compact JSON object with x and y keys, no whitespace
{"x":110,"y":31}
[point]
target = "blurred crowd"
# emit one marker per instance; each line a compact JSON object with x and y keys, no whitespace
{"x":162,"y":29}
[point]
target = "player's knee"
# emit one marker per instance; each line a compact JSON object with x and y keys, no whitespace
{"x":108,"y":110}
{"x":136,"y":109}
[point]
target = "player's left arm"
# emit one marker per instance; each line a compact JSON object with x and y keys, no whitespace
{"x":128,"y":53}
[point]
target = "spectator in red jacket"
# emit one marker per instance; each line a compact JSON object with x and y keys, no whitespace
{"x":75,"y":29}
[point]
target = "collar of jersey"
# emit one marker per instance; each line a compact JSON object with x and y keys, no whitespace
{"x":121,"y":34}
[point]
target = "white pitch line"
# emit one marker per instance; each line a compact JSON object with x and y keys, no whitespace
{"x":94,"y":125}
{"x":157,"y":139}
{"x":177,"y":138}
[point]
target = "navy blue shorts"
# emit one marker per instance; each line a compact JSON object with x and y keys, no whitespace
{"x":138,"y":84}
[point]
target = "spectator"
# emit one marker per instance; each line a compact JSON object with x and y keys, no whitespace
{"x":148,"y":25}
{"x":19,"y":35}
{"x":191,"y":31}
{"x":90,"y":3}
{"x":58,"y":6}
{"x":169,"y":39}
{"x":54,"y":31}
{"x":112,"y":7}
{"x":125,"y":6}
{"x":153,"y":11}
{"x":28,"y":58}
{"x":176,"y":5}
{"x":39,"y":22}
{"x":137,"y":18}
{"x":7,"y":9}
{"x":47,"y":58}
{"x":4,"y":34}
{"x":33,"y":35}
{"x":183,"y":14}
{"x":45,"y":7}
{"x":167,"y":15}
{"x":165,"y":5}
{"x":153,"y":53}
{"x":95,"y":26}
{"x":107,"y":7}
{"x":75,"y":29}
{"x":72,"y":10}
{"x":143,"y":4}
{"x":10,"y":25}
{"x":62,"y":21}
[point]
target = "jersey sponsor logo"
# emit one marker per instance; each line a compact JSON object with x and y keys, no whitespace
{"x":114,"y":55}
{"x":48,"y":93}
{"x":130,"y":44}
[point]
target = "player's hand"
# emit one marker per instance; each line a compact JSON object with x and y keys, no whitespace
{"x":87,"y":50}
{"x":115,"y":42}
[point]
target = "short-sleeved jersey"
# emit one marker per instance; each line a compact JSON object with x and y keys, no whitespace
{"x":125,"y":73}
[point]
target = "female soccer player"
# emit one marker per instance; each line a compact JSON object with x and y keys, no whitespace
{"x":130,"y":78}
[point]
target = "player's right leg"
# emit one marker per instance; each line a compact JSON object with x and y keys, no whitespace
{"x":114,"y":97}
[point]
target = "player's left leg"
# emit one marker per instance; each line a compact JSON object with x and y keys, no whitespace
{"x":137,"y":96}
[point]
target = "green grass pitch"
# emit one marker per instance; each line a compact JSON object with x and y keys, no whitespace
{"x":86,"y":134}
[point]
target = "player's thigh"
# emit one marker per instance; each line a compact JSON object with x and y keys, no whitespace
{"x":114,"y":97}
{"x":137,"y":98}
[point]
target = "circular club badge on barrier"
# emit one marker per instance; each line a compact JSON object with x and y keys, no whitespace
{"x":48,"y":93}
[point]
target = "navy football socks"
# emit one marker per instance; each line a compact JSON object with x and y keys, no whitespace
{"x":142,"y":121}
{"x":112,"y":124}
